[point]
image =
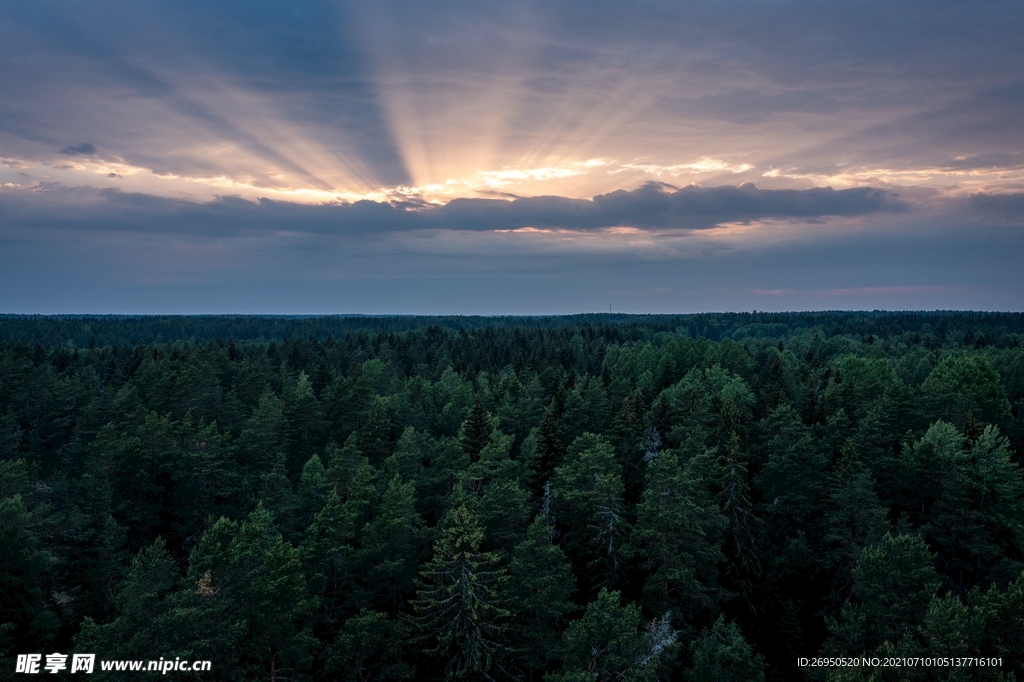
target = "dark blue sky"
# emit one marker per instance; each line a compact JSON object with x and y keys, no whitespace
{"x":548,"y":157}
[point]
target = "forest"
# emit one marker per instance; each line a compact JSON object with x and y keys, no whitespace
{"x":593,"y":497}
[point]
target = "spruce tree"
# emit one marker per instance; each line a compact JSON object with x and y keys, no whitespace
{"x":392,"y":544}
{"x":587,"y":492}
{"x":550,"y":448}
{"x":742,"y":561}
{"x":140,"y":604}
{"x":541,"y":584}
{"x":460,"y":604}
{"x":677,"y":541}
{"x":476,"y":430}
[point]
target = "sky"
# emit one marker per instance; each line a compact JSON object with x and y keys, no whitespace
{"x":510,"y":158}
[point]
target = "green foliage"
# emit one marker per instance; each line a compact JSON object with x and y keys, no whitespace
{"x":722,"y":655}
{"x":824,"y":483}
{"x":302,"y":421}
{"x":588,"y":504}
{"x":245,"y":588}
{"x":610,"y":643}
{"x":679,"y":542}
{"x":368,"y":647}
{"x":793,"y":479}
{"x":460,"y":602}
{"x":140,"y":604}
{"x":476,"y":430}
{"x":967,"y":499}
{"x":328,"y":555}
{"x":893,"y":584}
{"x":968,"y":385}
{"x":541,"y":584}
{"x":854,"y":517}
{"x":391,"y":547}
{"x":25,"y":616}
{"x":262,"y":438}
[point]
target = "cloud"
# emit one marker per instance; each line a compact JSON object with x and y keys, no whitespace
{"x":652,"y":207}
{"x":350,"y":96}
{"x":84,"y":149}
{"x":656,"y":206}
{"x":1009,"y":206}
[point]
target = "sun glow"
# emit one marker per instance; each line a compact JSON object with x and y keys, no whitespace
{"x":483,"y":130}
{"x":702,"y":165}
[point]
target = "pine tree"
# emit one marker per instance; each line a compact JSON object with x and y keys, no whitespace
{"x":504,"y":510}
{"x":379,"y":433}
{"x":109,"y":563}
{"x":460,"y":602}
{"x":245,"y":589}
{"x":967,"y":500}
{"x":206,"y":480}
{"x":967,"y":384}
{"x":263,"y":436}
{"x":854,"y":518}
{"x":793,"y":479}
{"x":343,"y":463}
{"x":312,"y":490}
{"x":327,"y":553}
{"x":25,"y":616}
{"x":277,"y":495}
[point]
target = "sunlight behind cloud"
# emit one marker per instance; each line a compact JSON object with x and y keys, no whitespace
{"x":415,"y":104}
{"x":702,"y":165}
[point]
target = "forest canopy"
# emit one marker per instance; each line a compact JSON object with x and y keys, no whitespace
{"x":592,"y":497}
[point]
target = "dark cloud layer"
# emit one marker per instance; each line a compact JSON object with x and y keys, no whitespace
{"x":84,"y":149}
{"x":656,"y":206}
{"x":929,"y":264}
{"x":66,"y":249}
{"x":650,"y":207}
{"x":1009,"y":206}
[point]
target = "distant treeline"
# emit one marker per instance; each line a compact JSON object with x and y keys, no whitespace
{"x":594,"y":497}
{"x":84,"y":331}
